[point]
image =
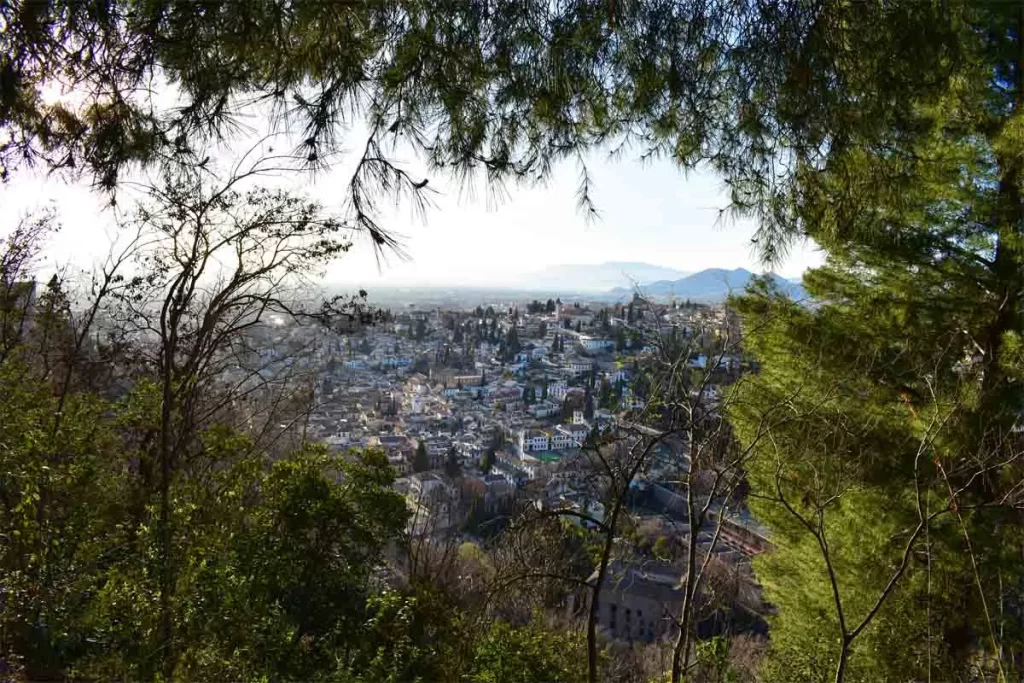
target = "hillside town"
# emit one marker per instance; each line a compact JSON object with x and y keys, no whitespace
{"x":487,"y":411}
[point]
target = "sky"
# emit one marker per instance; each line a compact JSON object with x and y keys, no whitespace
{"x":651,"y":213}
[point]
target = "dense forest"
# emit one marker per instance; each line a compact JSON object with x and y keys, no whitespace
{"x":162,"y":515}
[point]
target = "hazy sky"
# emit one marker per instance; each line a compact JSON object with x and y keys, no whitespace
{"x":651,"y":213}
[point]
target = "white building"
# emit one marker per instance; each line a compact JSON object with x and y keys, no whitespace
{"x":558,"y":390}
{"x":619,"y":375}
{"x":545,"y":409}
{"x":577,"y":433}
{"x":578,"y":366}
{"x":594,"y":344}
{"x":562,"y":440}
{"x":533,"y":441}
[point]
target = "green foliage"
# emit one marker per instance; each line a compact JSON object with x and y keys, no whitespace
{"x":529,"y":654}
{"x":272,"y":562}
{"x":843,"y":458}
{"x":897,"y":393}
{"x":713,"y":661}
{"x":293,"y":589}
{"x":59,"y":490}
{"x":422,"y":635}
{"x":416,"y":636}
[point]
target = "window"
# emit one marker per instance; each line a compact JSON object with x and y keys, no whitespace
{"x":612,"y":609}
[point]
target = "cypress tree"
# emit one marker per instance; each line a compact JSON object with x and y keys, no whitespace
{"x":421,"y":461}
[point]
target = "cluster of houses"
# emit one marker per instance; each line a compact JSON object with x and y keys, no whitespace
{"x":476,"y":409}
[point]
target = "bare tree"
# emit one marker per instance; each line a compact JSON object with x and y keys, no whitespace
{"x":220,"y":263}
{"x":695,"y":391}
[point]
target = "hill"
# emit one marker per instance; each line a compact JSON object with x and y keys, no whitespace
{"x":711,"y":285}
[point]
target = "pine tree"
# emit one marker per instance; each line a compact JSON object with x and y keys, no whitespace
{"x":909,"y":361}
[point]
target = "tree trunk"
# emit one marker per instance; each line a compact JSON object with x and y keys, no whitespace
{"x":681,"y":651}
{"x":166,"y":573}
{"x":844,"y":654}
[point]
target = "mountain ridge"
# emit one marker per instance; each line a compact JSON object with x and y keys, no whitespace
{"x":710,"y":285}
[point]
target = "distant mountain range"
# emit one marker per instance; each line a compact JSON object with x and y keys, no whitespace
{"x":599,"y":276}
{"x":711,"y":285}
